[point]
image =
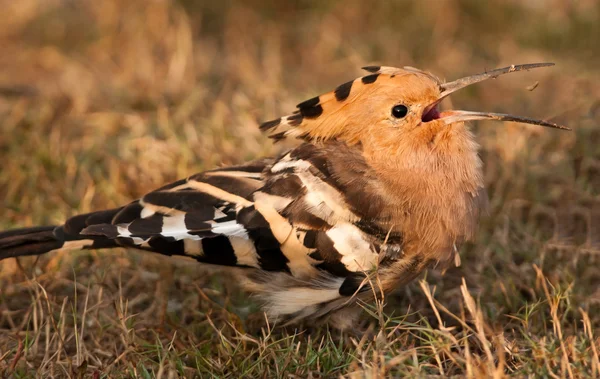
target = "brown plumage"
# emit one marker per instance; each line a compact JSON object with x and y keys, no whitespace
{"x":383,"y":185}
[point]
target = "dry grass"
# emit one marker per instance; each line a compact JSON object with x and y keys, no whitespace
{"x":102,"y":101}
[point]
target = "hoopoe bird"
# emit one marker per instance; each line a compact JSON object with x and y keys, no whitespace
{"x":383,"y":184}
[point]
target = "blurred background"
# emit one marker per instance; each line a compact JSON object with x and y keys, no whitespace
{"x":102,"y":101}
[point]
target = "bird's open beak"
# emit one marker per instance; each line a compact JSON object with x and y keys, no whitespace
{"x":453,"y":116}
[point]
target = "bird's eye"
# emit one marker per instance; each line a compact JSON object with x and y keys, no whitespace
{"x":399,"y":111}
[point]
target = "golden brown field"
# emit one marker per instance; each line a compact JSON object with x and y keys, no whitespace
{"x":103,"y":101}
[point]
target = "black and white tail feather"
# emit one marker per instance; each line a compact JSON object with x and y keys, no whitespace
{"x":298,"y":223}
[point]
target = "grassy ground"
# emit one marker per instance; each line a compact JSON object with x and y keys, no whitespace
{"x":103,"y":101}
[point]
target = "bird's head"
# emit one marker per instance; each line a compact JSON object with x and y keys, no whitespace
{"x":389,"y":106}
{"x":425,"y":159}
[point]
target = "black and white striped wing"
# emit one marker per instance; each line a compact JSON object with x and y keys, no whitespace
{"x":305,"y":213}
{"x":322,"y":205}
{"x":195,"y":217}
{"x":309,"y":221}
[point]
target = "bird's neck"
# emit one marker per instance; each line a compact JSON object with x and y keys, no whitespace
{"x":434,"y":189}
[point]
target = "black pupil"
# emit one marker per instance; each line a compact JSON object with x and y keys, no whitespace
{"x":399,"y":111}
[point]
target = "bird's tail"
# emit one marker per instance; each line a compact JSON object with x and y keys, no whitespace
{"x":44,"y":239}
{"x":28,"y":241}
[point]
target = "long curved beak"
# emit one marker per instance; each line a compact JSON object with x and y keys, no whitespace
{"x":453,"y":116}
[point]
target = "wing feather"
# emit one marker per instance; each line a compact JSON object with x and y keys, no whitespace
{"x":300,"y":213}
{"x":309,"y":216}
